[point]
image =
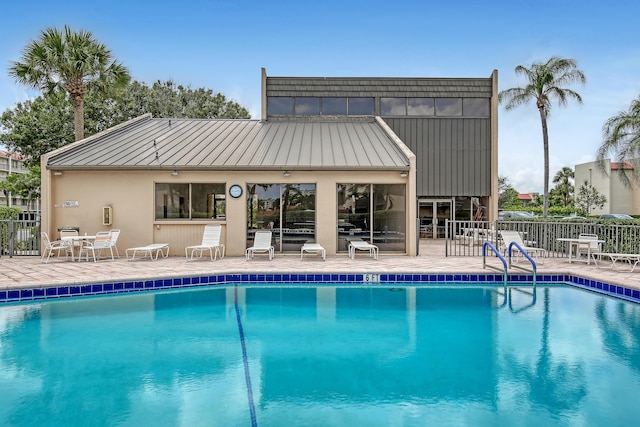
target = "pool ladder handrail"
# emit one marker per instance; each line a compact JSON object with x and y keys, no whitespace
{"x":534,"y":267}
{"x":495,"y":251}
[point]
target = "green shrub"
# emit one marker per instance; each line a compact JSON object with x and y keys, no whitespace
{"x":7,"y":212}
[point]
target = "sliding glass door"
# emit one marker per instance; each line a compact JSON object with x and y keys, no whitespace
{"x":289,"y":210}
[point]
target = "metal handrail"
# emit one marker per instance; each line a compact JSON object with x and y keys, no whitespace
{"x":526,"y":255}
{"x":484,"y":259}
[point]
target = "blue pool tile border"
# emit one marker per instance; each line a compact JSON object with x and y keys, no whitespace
{"x":51,"y":292}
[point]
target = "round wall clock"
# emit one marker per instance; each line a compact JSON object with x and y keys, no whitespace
{"x":235,"y":191}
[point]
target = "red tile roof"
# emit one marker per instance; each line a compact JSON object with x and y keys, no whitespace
{"x":618,"y":165}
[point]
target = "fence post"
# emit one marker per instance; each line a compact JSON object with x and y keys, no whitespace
{"x":10,"y":238}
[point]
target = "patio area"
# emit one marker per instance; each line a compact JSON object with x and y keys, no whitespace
{"x":29,"y":272}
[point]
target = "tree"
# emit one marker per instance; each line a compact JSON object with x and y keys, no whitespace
{"x":27,"y":186}
{"x":563,"y":183}
{"x":72,"y":62}
{"x":508,"y":200}
{"x":503,"y":184}
{"x":556,"y":198}
{"x":536,"y":201}
{"x":588,"y":197}
{"x":38,"y":126}
{"x":169,"y":100}
{"x":544,"y":84}
{"x":6,"y":187}
{"x":622,"y":138}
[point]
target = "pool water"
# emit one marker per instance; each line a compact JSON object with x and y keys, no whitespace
{"x":323,"y":356}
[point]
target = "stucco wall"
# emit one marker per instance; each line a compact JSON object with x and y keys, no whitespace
{"x":621,"y":199}
{"x":131,"y":195}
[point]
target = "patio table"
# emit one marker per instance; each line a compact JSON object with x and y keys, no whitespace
{"x":577,"y":243}
{"x":71,"y":240}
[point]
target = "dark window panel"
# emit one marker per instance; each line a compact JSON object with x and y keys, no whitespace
{"x":475,"y":107}
{"x":448,"y":106}
{"x":334,"y":106}
{"x":420,"y":107}
{"x":360,"y":107}
{"x":280,"y":106}
{"x":307,"y":106}
{"x":393,"y":106}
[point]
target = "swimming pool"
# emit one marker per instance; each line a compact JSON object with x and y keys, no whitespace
{"x":323,"y":355}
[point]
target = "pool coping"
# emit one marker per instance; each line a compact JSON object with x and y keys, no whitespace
{"x":67,"y":290}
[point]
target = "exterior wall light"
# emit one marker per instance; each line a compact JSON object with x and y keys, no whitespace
{"x":174,"y":173}
{"x":286,"y":173}
{"x":404,"y":174}
{"x":57,"y":173}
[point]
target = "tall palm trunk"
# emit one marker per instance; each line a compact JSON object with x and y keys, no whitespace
{"x":545,"y":142}
{"x":78,"y":116}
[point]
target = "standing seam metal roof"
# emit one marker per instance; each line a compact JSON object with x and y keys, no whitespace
{"x":236,"y":144}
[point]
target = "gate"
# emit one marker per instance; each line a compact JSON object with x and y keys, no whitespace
{"x":19,"y":237}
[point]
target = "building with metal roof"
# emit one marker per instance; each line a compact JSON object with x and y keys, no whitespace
{"x":199,"y":144}
{"x":330,"y":160}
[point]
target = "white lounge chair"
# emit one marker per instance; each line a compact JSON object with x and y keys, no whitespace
{"x":631,"y":259}
{"x":55,"y":246}
{"x":151,"y":251}
{"x":361,"y":245}
{"x":509,"y":236}
{"x":313,"y":248}
{"x":210,"y":243}
{"x":261,"y":244}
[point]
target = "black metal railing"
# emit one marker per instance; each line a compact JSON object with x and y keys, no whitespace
{"x":465,"y":238}
{"x":19,"y":237}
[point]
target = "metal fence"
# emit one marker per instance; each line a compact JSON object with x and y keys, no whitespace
{"x":466,"y":238}
{"x":19,"y":237}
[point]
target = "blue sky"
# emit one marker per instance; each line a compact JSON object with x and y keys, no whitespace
{"x":222,"y":45}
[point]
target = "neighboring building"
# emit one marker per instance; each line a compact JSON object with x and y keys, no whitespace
{"x":12,"y":163}
{"x":621,"y":199}
{"x":525,"y":199}
{"x":330,"y":159}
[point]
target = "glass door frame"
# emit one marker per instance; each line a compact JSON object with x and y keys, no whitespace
{"x":435,"y":230}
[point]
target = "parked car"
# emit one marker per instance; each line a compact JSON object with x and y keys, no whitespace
{"x":515,"y":215}
{"x":573,"y":218}
{"x":615,"y":216}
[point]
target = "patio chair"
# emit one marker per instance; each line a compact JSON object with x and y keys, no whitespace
{"x":74,"y":244}
{"x":590,"y":249}
{"x":55,"y":246}
{"x":101,"y":242}
{"x":509,"y":236}
{"x":261,"y":244}
{"x":210,"y":243}
{"x":115,"y":233}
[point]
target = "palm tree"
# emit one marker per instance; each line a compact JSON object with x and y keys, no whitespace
{"x":70,"y":61}
{"x":622,"y":136}
{"x":544,"y":81}
{"x":563,"y":180}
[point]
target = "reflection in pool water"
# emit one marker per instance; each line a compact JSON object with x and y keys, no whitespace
{"x":360,"y":356}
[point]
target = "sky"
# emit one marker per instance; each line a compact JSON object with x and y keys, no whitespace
{"x":222,"y":45}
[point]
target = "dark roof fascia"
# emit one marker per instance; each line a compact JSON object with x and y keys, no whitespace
{"x":379,"y":79}
{"x":228,"y":168}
